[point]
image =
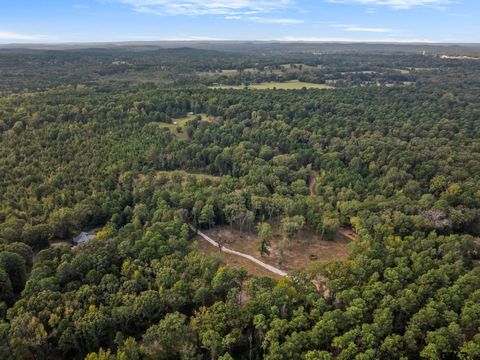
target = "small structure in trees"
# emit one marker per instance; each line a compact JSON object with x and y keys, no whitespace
{"x":83,"y":238}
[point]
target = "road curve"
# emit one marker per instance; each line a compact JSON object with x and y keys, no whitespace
{"x":270,"y":268}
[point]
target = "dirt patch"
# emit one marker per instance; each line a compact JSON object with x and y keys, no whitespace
{"x":233,"y":261}
{"x":59,"y":243}
{"x":304,"y":249}
{"x":347,"y":233}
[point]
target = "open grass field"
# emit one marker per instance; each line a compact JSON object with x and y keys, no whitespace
{"x":289,"y":85}
{"x":304,"y":249}
{"x":229,"y":71}
{"x":226,"y":72}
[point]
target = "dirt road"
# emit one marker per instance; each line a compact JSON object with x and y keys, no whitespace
{"x":270,"y":268}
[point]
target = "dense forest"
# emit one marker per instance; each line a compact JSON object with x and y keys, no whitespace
{"x":89,"y":139}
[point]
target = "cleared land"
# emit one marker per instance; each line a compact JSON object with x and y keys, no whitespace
{"x":59,"y":243}
{"x":348,"y":234}
{"x":229,"y":71}
{"x":304,"y":249}
{"x":179,"y":123}
{"x":232,"y":261}
{"x":288,"y":85}
{"x":223,"y":248}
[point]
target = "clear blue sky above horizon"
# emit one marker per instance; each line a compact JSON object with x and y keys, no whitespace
{"x":35,"y":21}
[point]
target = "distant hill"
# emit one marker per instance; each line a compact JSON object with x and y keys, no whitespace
{"x":264,"y":46}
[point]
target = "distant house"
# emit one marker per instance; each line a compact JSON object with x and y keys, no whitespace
{"x":83,"y":238}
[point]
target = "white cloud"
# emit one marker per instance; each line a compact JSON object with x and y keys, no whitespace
{"x":7,"y":35}
{"x":206,"y":7}
{"x":314,"y":39}
{"x":396,"y":4}
{"x":356,"y":28}
{"x":279,"y":21}
{"x":266,"y":20}
{"x":166,"y":38}
{"x":369,"y":29}
{"x":341,"y":25}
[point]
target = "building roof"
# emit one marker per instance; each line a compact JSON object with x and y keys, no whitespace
{"x":82,"y":238}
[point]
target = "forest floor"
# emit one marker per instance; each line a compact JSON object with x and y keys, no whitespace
{"x":304,"y":249}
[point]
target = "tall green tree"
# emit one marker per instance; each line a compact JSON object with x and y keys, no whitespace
{"x":265,"y":235}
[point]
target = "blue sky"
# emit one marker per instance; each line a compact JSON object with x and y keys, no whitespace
{"x":42,"y":21}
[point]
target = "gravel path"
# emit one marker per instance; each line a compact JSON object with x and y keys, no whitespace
{"x":270,"y":268}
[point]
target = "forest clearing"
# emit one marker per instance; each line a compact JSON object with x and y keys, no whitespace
{"x":305,"y":248}
{"x":178,"y":125}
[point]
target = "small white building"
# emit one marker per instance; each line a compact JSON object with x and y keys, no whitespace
{"x":83,"y":238}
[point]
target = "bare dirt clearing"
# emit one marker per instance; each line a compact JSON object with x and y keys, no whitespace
{"x":233,"y":261}
{"x":348,"y":233}
{"x":59,"y":243}
{"x":305,"y":248}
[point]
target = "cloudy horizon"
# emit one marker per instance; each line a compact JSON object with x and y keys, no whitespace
{"x":445,"y":21}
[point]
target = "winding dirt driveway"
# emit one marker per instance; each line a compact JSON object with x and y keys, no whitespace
{"x":270,"y":268}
